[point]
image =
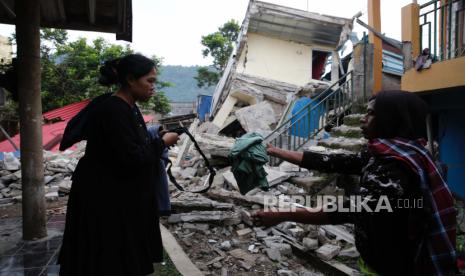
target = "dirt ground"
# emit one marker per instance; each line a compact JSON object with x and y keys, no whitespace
{"x":15,"y":210}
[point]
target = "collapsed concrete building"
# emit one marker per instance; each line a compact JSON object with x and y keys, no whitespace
{"x":281,"y":55}
{"x":279,"y":50}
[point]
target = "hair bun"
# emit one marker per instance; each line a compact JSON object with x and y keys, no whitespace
{"x":109,"y":72}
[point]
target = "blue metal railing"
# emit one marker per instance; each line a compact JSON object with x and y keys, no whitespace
{"x":442,"y":28}
{"x":306,"y":123}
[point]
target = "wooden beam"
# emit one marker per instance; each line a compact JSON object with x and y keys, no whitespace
{"x":10,"y":12}
{"x":91,"y":11}
{"x":30,"y":118}
{"x":386,"y":39}
{"x":61,"y":10}
{"x":120,"y":11}
{"x":374,"y":21}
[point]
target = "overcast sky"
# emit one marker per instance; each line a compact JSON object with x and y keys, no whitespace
{"x":172,"y":29}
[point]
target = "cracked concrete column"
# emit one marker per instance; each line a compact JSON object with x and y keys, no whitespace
{"x":335,"y":67}
{"x":30,"y":115}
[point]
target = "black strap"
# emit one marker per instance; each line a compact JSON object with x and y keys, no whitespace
{"x":212,"y":171}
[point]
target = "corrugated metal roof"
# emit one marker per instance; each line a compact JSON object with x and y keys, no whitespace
{"x":393,"y":63}
{"x":66,"y":112}
{"x":295,"y":25}
{"x":52,"y":133}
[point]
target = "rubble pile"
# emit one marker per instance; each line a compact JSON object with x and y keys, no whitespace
{"x":58,"y":168}
{"x":216,"y":231}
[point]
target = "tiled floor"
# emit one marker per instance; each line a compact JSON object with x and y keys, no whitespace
{"x":31,"y":258}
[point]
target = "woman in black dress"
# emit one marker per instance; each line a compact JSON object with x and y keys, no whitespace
{"x":111,"y":222}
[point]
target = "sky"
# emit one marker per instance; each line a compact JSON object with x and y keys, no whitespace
{"x":172,"y":29}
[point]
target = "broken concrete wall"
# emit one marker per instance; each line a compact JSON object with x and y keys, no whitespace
{"x":257,"y":118}
{"x":279,"y":51}
{"x":246,"y":89}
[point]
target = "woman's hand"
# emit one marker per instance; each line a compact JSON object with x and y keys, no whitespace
{"x":270,"y":149}
{"x":170,"y":138}
{"x":266,"y":219}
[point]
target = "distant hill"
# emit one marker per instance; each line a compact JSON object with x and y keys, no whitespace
{"x":184,"y":87}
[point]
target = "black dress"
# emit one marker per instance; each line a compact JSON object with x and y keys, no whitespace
{"x":111,"y":221}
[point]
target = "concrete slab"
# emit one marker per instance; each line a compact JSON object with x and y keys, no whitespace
{"x":180,"y":259}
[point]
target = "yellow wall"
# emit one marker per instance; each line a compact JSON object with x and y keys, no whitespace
{"x":411,"y":27}
{"x":374,"y":20}
{"x":5,"y":50}
{"x":449,"y":73}
{"x":277,"y":59}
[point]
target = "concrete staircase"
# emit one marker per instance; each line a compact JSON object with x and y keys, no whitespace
{"x":346,"y":138}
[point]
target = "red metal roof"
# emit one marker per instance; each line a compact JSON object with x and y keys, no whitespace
{"x":66,"y":112}
{"x":51,"y":133}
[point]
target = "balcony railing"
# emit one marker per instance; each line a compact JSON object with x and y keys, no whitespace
{"x":442,"y":28}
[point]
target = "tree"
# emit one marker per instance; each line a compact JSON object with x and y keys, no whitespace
{"x":219,"y":45}
{"x":161,"y":103}
{"x":70,"y":70}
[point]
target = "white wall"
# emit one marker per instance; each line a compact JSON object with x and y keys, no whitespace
{"x":276,"y":59}
{"x":5,"y":50}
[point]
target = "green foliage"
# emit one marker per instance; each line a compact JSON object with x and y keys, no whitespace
{"x":70,"y":70}
{"x":206,"y":77}
{"x":219,"y":45}
{"x":9,"y":112}
{"x":71,"y":73}
{"x":161,"y":104}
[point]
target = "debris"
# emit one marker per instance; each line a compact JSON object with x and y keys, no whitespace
{"x":328,"y":251}
{"x":65,"y":185}
{"x":214,"y":145}
{"x":185,"y":143}
{"x":310,"y":244}
{"x":273,"y":254}
{"x":187,"y":173}
{"x":340,"y":232}
{"x":229,"y":218}
{"x":285,"y":272}
{"x":257,"y":118}
{"x":252,"y":248}
{"x":273,"y":177}
{"x":349,"y":253}
{"x":10,"y":162}
{"x":259,"y":233}
{"x":246,"y":217}
{"x":243,"y":255}
{"x":226,"y":245}
{"x":297,"y":232}
{"x":246,"y":265}
{"x":244,"y":232}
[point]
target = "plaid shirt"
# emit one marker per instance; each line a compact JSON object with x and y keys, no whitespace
{"x":440,"y":239}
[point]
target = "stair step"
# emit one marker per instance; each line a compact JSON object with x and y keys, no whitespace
{"x":353,"y":119}
{"x":350,"y":144}
{"x":347,"y":131}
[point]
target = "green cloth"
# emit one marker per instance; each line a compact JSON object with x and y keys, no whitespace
{"x":247,"y":156}
{"x":365,"y":269}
